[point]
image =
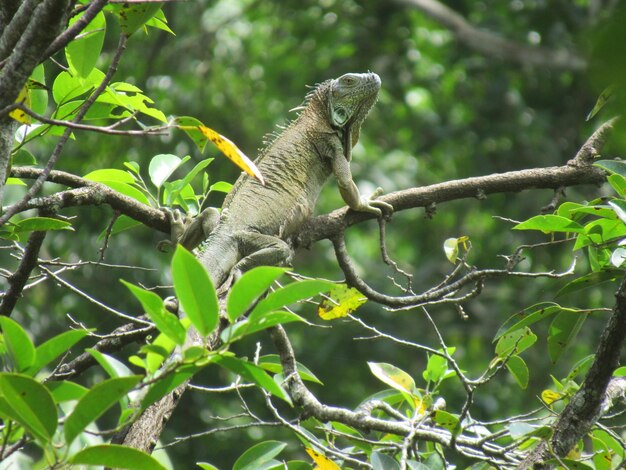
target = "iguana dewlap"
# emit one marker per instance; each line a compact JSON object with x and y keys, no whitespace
{"x":258,"y":220}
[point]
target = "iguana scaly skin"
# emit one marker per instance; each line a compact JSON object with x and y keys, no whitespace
{"x":258,"y":220}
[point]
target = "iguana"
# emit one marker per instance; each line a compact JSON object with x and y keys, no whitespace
{"x":258,"y":220}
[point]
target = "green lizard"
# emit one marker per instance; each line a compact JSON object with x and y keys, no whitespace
{"x":258,"y":220}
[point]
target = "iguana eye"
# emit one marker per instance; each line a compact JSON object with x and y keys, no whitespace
{"x":349,"y":80}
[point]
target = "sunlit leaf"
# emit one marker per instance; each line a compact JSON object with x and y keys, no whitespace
{"x":392,"y":376}
{"x":227,"y":147}
{"x":451,"y":247}
{"x":341,"y":301}
{"x":550,"y":396}
{"x":322,"y":462}
{"x":24,"y":98}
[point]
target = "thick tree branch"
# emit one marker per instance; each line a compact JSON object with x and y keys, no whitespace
{"x":19,"y":278}
{"x":45,"y":22}
{"x":88,"y":193}
{"x":492,"y":45}
{"x":328,"y":226}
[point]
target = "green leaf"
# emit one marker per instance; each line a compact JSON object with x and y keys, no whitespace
{"x":292,"y":293}
{"x":221,"y":187}
{"x":110,"y":174}
{"x":166,"y":322}
{"x":66,"y":87}
{"x":66,"y":391}
{"x":447,"y":421}
{"x":382,"y":461}
{"x":528,"y":316}
{"x":253,"y":373}
{"x":206,"y":466}
{"x":258,"y":455}
{"x":95,"y":402}
{"x":38,"y":91}
{"x":128,"y":190}
{"x":195,"y":291}
{"x":54,"y":347}
{"x":518,"y":340}
{"x":132,"y":99}
{"x":518,"y":368}
{"x":83,"y":52}
{"x":563,"y":330}
{"x":580,"y":368}
{"x":436,"y":368}
{"x":112,"y":366}
{"x":393,"y":376}
{"x":168,"y":383}
{"x":256,"y":323}
{"x":33,"y":224}
{"x":122,"y":223}
{"x":250,"y":287}
{"x":116,"y":456}
{"x":618,"y":183}
{"x":189,"y":125}
{"x":133,"y":16}
{"x":612,"y":166}
{"x":161,"y":168}
{"x":19,"y":346}
{"x":271,"y":363}
{"x":590,"y":280}
{"x":619,"y":207}
{"x":549,"y":223}
{"x":30,"y":404}
{"x":23,"y":158}
{"x":604,"y":98}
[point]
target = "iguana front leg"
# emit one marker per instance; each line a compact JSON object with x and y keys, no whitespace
{"x":190,"y":232}
{"x":348,"y":189}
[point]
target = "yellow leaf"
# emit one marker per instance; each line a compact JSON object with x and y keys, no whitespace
{"x":451,"y":247}
{"x":18,"y":114}
{"x":228,"y":148}
{"x":549,"y":396}
{"x":322,"y":462}
{"x":341,"y":301}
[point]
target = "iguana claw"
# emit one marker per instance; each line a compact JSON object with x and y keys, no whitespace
{"x":373,"y":206}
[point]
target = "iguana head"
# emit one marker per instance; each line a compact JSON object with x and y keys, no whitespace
{"x":350,"y":98}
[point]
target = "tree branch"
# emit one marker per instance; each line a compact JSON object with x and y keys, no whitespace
{"x":589,"y":403}
{"x":328,"y":226}
{"x":492,"y":45}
